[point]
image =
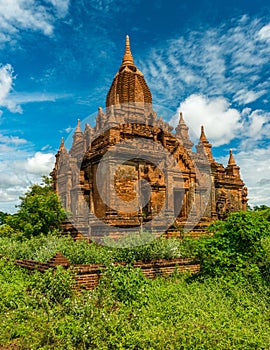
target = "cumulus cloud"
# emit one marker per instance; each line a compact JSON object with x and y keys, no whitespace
{"x":222,"y":123}
{"x":16,"y":15}
{"x":256,"y":129}
{"x":20,"y":167}
{"x":40,"y":163}
{"x":18,"y":173}
{"x":255,"y":170}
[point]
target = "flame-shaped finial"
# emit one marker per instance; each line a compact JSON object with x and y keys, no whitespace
{"x":78,"y":128}
{"x":62,"y":145}
{"x":181,"y":120}
{"x":231,"y":159}
{"x":127,"y":59}
{"x":203,"y":137}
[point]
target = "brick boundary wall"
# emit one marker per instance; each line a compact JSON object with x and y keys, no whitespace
{"x":88,"y":275}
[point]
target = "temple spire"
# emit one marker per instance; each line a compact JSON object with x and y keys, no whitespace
{"x":78,"y":128}
{"x":232,"y":169}
{"x":77,"y":136}
{"x":204,"y":147}
{"x":127,"y":59}
{"x":62,"y":145}
{"x":182,"y":133}
{"x":181,"y":120}
{"x":231,"y":159}
{"x":203,"y":137}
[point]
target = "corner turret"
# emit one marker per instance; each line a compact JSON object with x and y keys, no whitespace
{"x":204,"y":147}
{"x":182,"y":133}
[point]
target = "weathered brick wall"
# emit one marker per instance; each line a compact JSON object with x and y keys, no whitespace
{"x":88,"y":275}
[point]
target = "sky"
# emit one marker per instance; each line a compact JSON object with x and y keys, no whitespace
{"x":208,"y":59}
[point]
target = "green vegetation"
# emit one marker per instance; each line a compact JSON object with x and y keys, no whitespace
{"x":127,"y":311}
{"x":40,"y":212}
{"x":225,"y":306}
{"x":42,"y":248}
{"x":239,"y":245}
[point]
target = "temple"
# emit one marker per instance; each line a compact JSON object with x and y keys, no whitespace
{"x":132,"y":170}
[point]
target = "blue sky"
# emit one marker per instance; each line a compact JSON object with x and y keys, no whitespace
{"x":209,"y":59}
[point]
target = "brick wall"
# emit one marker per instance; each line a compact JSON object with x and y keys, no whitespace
{"x":88,"y":275}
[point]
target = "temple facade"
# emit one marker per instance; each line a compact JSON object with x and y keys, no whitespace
{"x":132,"y":170}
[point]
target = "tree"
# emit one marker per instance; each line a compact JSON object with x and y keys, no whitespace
{"x":40,"y":211}
{"x":3,"y":217}
{"x":236,"y":244}
{"x":261,"y":207}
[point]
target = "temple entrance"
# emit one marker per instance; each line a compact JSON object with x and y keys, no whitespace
{"x":178,"y":199}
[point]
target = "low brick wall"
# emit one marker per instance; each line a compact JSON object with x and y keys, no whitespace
{"x":88,"y":275}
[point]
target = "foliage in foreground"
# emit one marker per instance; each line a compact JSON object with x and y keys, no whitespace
{"x":43,"y":248}
{"x":240,"y":243}
{"x":40,"y":212}
{"x":226,"y":308}
{"x":127,"y":311}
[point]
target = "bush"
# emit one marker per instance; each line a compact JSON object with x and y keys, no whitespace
{"x":236,"y":244}
{"x":144,"y":246}
{"x":55,"y":284}
{"x":123,"y":283}
{"x":44,"y":247}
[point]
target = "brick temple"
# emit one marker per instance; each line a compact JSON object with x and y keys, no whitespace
{"x":132,"y":170}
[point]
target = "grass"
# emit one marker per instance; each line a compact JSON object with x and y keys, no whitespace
{"x":37,"y":312}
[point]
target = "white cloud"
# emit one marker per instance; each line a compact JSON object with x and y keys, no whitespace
{"x":201,"y":72}
{"x":221,"y":122}
{"x":16,"y":15}
{"x":255,"y":170}
{"x":40,"y":164}
{"x":6,"y":73}
{"x":244,"y":96}
{"x":264,"y":33}
{"x":223,"y":61}
{"x":12,"y":140}
{"x":12,"y":100}
{"x":6,"y":83}
{"x":26,"y":97}
{"x":20,"y":167}
{"x":61,"y":7}
{"x":19,"y":172}
{"x":256,"y":129}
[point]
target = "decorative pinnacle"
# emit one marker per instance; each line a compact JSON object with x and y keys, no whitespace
{"x":181,"y":120}
{"x":78,"y":128}
{"x":62,"y":145}
{"x":87,"y":127}
{"x":231,"y":159}
{"x":127,"y":59}
{"x":203,"y":137}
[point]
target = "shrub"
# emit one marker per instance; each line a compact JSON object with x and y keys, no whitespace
{"x":123,"y":283}
{"x":55,"y":284}
{"x":236,"y":244}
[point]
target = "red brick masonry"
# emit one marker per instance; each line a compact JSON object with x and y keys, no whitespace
{"x":88,"y":275}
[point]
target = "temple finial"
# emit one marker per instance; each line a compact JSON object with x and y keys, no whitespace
{"x":127,"y":59}
{"x":78,"y":128}
{"x":62,"y":145}
{"x":231,"y":159}
{"x":181,"y":120}
{"x":203,"y":137}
